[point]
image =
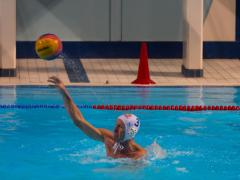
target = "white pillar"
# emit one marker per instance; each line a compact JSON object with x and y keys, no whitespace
{"x":7,"y":38}
{"x":193,"y":38}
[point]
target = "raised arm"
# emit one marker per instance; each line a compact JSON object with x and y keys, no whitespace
{"x":75,"y":113}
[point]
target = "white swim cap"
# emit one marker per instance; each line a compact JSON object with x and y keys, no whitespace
{"x":132,"y":125}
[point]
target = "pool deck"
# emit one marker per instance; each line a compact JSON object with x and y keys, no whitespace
{"x":121,"y":72}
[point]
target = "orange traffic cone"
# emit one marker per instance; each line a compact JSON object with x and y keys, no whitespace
{"x":143,"y":76}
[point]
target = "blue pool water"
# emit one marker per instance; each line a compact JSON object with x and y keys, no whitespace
{"x":45,"y":144}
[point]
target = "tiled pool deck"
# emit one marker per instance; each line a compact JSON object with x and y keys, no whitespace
{"x":121,"y":72}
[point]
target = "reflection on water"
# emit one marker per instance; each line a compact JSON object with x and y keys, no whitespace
{"x":234,"y":126}
{"x":8,"y":122}
{"x":1,"y":139}
{"x":8,"y":95}
{"x":190,"y":132}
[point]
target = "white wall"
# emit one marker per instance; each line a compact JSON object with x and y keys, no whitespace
{"x":154,"y":20}
{"x":116,"y":20}
{"x":72,"y":20}
{"x":220,"y":24}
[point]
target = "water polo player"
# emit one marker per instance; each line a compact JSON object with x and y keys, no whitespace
{"x":120,"y":143}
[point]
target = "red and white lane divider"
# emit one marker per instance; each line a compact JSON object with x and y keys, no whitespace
{"x":118,"y":107}
{"x":167,"y":107}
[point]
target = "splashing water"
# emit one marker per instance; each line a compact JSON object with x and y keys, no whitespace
{"x":155,"y":151}
{"x":97,"y":155}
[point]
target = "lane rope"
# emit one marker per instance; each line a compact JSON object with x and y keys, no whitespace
{"x":127,"y":107}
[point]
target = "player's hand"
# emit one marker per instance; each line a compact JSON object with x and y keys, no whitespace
{"x":56,"y":82}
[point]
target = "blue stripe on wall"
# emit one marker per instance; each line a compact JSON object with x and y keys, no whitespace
{"x":25,"y":49}
{"x":169,"y":50}
{"x":221,"y":50}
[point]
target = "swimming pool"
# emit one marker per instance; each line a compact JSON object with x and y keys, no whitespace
{"x":45,"y":144}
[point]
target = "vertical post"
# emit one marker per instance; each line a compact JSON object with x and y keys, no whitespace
{"x":7,"y":38}
{"x":193,"y":38}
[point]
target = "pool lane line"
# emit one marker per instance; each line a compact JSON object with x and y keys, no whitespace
{"x":126,"y":107}
{"x":38,"y":106}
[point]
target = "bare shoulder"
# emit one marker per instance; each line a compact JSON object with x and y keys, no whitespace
{"x":106,"y":133}
{"x":140,"y":150}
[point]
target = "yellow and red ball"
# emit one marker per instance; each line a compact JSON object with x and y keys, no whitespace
{"x":48,"y":47}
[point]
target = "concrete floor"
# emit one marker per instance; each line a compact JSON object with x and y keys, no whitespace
{"x":165,"y":72}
